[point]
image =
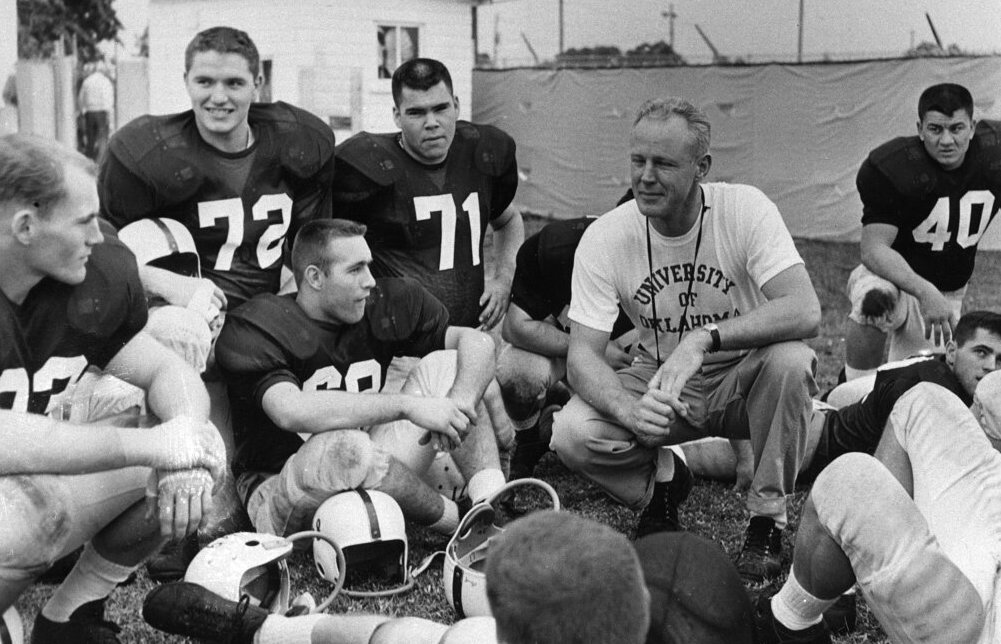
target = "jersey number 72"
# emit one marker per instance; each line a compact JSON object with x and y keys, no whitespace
{"x":269,"y":245}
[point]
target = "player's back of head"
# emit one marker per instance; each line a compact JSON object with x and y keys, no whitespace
{"x":945,"y":98}
{"x":224,"y":40}
{"x":696,"y":595}
{"x":33,"y":170}
{"x":420,"y":74}
{"x":968,"y":324}
{"x":555,"y":577}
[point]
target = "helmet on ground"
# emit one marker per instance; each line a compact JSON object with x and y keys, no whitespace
{"x":162,"y":243}
{"x":368,"y":527}
{"x":245,"y":563}
{"x":466,"y":554}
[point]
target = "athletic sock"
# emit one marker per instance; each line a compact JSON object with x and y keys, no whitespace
{"x":795,"y":608}
{"x":278,"y":629}
{"x":851,"y":373}
{"x":484,"y":483}
{"x":449,"y":520}
{"x":92,"y":578}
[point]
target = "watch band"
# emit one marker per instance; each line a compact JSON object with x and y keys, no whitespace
{"x":714,"y":335}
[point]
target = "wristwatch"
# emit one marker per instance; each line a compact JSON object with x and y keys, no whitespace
{"x":713,"y":330}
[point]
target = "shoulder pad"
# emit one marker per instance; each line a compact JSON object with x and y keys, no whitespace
{"x":282,"y":321}
{"x":304,"y":141}
{"x":109,"y":292}
{"x":149,"y":146}
{"x":376,"y":156}
{"x":396,"y":305}
{"x":987,"y":138}
{"x":905,"y":164}
{"x":493,"y":149}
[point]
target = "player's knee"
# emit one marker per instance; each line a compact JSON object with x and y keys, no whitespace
{"x":335,"y":461}
{"x":877,"y":303}
{"x":34,"y":525}
{"x":789,"y":360}
{"x":184,"y":332}
{"x":852,"y":483}
{"x":522,"y":396}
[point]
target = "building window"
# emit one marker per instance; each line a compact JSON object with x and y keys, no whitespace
{"x":264,"y":95}
{"x":397,"y":44}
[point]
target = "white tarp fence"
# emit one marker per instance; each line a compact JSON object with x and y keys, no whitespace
{"x":798,"y":132}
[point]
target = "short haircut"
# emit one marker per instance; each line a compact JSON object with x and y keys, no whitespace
{"x":310,"y":246}
{"x":967,"y":326}
{"x":945,"y":98}
{"x":224,"y":40}
{"x":33,"y":170}
{"x":420,"y":74}
{"x":662,"y":109}
{"x":558,"y":577}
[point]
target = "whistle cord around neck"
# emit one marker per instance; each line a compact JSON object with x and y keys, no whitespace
{"x":691,"y":279}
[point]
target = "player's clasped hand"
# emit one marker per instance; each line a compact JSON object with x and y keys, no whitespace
{"x":180,"y":499}
{"x":653,"y":415}
{"x":184,"y":443}
{"x":446,"y":421}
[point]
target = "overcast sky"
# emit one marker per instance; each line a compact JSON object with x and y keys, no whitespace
{"x":736,"y":27}
{"x":741,"y":27}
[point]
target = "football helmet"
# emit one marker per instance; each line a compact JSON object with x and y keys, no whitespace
{"x":466,"y":554}
{"x":253,"y":565}
{"x":11,"y":628}
{"x":368,"y":526}
{"x":162,"y":243}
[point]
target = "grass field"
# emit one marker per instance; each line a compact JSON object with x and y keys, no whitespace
{"x":713,"y":510}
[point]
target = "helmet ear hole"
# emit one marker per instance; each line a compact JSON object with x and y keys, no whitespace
{"x":245,"y":563}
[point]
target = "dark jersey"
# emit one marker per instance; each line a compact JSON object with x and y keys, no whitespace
{"x":48,"y":341}
{"x":940,"y":214}
{"x":859,"y":427}
{"x":240,"y":207}
{"x":428,"y":222}
{"x":541,"y":285}
{"x":270,"y":339}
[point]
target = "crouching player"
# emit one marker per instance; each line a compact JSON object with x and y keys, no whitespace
{"x":70,"y":301}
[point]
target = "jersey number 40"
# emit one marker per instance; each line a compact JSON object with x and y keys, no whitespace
{"x":935,"y":229}
{"x":445,"y":204}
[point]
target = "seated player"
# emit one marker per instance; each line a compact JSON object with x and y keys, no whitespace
{"x":917,"y":526}
{"x":306,"y":372}
{"x":551,"y":577}
{"x":531,"y":366}
{"x":242,"y":177}
{"x":927,"y":200}
{"x":68,"y":302}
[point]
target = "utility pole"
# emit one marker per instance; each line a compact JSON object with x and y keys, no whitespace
{"x":670,"y":15}
{"x":496,"y":36}
{"x":799,"y":46}
{"x":561,"y":25}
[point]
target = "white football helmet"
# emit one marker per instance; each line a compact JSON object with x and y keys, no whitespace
{"x":162,"y":243}
{"x":368,"y":526}
{"x":466,"y":554}
{"x":11,"y":628}
{"x":245,"y":563}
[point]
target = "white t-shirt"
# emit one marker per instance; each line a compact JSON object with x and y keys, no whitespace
{"x":97,"y":94}
{"x":744,"y":244}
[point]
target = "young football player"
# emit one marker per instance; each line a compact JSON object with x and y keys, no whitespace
{"x":71,"y":299}
{"x":917,"y":526}
{"x":927,"y":200}
{"x":306,"y":374}
{"x":709,"y":276}
{"x":428,"y":192}
{"x":242,"y":177}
